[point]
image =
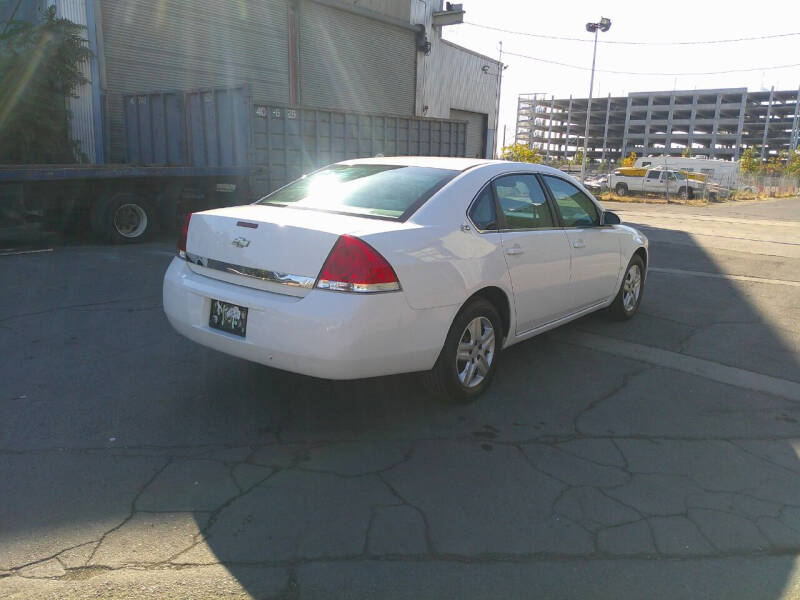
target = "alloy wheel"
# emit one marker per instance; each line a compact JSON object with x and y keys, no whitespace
{"x":631,"y":288}
{"x":476,"y":350}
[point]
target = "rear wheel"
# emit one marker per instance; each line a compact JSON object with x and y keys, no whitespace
{"x":621,"y":189}
{"x":630,"y":292}
{"x":468,"y":360}
{"x":124,"y":218}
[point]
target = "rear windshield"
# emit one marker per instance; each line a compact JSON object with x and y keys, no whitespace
{"x":383,"y":191}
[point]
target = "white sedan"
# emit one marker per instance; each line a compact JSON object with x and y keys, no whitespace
{"x":391,"y":265}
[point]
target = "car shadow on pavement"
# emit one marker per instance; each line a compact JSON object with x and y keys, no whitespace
{"x":608,"y":460}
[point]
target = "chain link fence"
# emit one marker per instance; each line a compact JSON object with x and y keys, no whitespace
{"x":738,"y":186}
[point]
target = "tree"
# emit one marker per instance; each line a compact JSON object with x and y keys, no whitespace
{"x":775,"y":165}
{"x":687,"y":152}
{"x":793,"y":163}
{"x":749,"y":162}
{"x":39,"y":69}
{"x":521,"y":153}
{"x":629,"y":160}
{"x":578,"y":158}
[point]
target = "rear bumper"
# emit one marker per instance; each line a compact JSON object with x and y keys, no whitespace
{"x":324,"y":334}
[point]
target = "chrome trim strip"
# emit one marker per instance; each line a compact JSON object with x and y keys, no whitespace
{"x":364,"y":288}
{"x":261,"y":274}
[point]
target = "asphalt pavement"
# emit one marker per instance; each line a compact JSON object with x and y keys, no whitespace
{"x":655,"y":459}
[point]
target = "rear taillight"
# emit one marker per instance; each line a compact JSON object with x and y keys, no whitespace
{"x":183,"y":236}
{"x":355,"y":266}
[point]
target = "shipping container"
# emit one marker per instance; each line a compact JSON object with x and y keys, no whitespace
{"x":224,"y":127}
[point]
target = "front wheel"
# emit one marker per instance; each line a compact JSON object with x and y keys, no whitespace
{"x":468,"y":360}
{"x":630,"y":292}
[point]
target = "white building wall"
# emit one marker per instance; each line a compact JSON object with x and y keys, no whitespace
{"x":82,"y":124}
{"x":452,"y":77}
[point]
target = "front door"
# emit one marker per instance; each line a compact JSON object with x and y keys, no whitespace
{"x":536,"y":251}
{"x":596,"y":250}
{"x":655,"y":182}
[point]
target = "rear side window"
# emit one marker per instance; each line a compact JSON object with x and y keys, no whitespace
{"x":483,"y":212}
{"x":384,"y":191}
{"x":523,"y":202}
{"x":575,"y":207}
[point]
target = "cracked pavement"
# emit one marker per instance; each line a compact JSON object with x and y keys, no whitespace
{"x":608,"y":460}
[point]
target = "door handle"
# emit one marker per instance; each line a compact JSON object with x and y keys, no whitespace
{"x":514,"y":250}
{"x":578,"y":244}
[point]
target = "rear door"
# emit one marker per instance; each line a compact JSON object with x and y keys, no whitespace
{"x":595,"y":248}
{"x":536,"y":250}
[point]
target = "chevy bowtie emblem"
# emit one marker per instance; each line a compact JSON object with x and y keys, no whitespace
{"x":241,"y":242}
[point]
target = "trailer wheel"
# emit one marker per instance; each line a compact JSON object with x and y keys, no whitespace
{"x":621,"y":189}
{"x":125,"y":218}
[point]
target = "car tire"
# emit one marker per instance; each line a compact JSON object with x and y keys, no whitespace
{"x":450,"y":378}
{"x":630,"y":292}
{"x":621,"y":189}
{"x":127,"y":218}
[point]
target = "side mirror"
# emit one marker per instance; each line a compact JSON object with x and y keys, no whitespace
{"x":610,"y":218}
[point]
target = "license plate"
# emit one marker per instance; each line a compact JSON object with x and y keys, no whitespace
{"x":228,"y":317}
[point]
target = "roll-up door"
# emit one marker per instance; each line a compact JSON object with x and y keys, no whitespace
{"x":352,"y":62}
{"x":476,"y":131}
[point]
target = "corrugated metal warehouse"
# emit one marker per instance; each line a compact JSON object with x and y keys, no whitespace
{"x":382,"y":57}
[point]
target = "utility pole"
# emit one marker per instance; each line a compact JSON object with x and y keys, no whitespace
{"x":603,"y":25}
{"x":501,"y":68}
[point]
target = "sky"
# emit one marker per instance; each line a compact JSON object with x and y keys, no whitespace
{"x":675,"y":21}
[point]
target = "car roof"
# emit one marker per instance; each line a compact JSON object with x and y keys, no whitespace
{"x":437,"y":162}
{"x":457,"y":164}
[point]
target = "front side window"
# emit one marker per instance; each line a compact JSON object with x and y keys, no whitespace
{"x":575,"y":207}
{"x":385,"y":191}
{"x":523,"y":202}
{"x":483,"y":212}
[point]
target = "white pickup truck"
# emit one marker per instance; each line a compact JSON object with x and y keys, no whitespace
{"x":632,"y":180}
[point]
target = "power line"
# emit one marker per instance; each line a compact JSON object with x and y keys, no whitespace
{"x":631,"y":43}
{"x":561,"y":64}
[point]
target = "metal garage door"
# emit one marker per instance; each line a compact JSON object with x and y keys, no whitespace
{"x":154,"y":45}
{"x":352,"y":62}
{"x":476,"y":131}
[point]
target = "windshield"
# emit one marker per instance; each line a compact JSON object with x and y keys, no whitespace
{"x":386,"y":191}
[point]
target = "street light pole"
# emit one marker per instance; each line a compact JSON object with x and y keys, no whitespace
{"x":603,"y":25}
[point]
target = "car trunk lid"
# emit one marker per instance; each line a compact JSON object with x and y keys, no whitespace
{"x":276,"y":249}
